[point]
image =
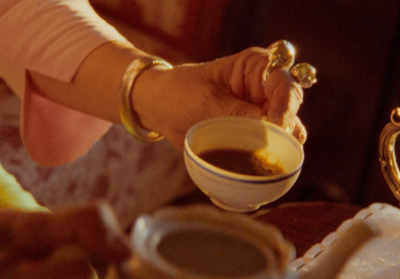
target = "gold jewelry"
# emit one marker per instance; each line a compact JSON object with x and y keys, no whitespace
{"x":129,"y":116}
{"x":305,"y":74}
{"x":281,"y":54}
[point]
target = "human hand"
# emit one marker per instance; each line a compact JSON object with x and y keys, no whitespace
{"x":171,"y":101}
{"x":59,"y":245}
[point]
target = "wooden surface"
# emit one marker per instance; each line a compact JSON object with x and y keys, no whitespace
{"x":302,"y":223}
{"x":305,"y":224}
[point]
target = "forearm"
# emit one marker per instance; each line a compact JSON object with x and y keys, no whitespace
{"x":72,"y":58}
{"x":95,"y":87}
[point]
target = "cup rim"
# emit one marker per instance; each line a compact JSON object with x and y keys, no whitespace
{"x":204,"y":165}
{"x":254,"y":179}
{"x":208,"y":218}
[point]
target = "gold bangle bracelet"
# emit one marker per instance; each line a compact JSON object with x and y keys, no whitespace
{"x":130,"y":118}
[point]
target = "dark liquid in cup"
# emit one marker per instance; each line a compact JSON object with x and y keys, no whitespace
{"x":241,"y":161}
{"x":211,"y":253}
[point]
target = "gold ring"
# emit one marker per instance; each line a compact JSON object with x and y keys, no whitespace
{"x":281,"y":54}
{"x":305,"y":74}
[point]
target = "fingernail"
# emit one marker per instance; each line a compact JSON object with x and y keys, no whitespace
{"x":302,"y":138}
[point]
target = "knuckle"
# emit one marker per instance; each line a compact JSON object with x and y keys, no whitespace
{"x":239,"y":111}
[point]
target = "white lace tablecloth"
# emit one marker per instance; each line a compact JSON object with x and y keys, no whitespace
{"x":378,"y":258}
{"x":134,"y":177}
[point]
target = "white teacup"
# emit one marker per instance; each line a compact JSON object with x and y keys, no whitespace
{"x":239,"y":192}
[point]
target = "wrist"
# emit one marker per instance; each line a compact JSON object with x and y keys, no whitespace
{"x":130,"y":98}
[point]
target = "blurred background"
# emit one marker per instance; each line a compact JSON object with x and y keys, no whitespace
{"x":355,"y":46}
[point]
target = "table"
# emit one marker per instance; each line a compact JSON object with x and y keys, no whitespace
{"x":302,"y":223}
{"x":306,"y":223}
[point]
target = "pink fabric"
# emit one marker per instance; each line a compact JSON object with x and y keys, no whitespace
{"x":54,"y":134}
{"x":53,"y":37}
